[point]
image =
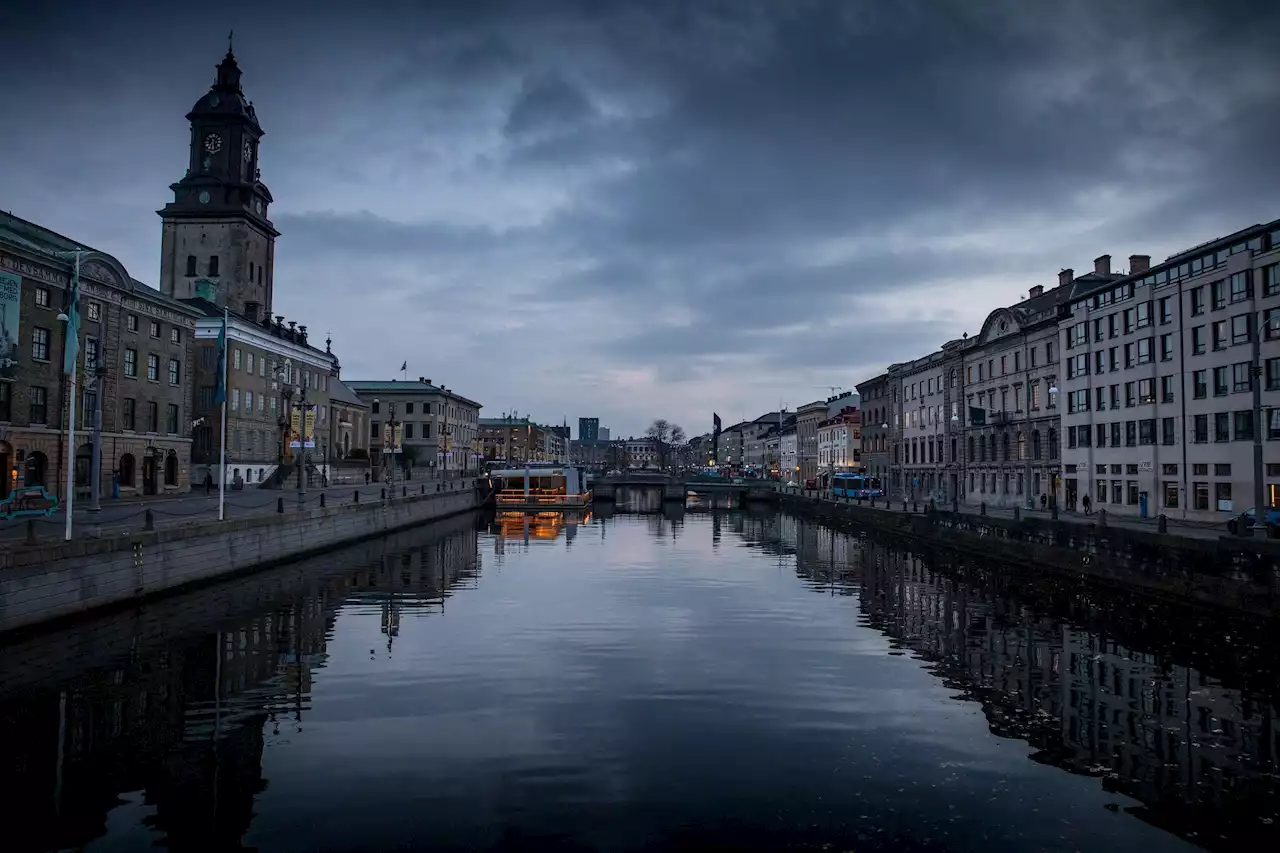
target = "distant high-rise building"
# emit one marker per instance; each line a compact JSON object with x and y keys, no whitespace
{"x":588,"y":429}
{"x":604,"y":433}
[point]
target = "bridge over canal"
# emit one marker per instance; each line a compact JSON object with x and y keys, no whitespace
{"x":678,"y":488}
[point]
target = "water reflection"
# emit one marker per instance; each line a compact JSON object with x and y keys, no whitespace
{"x":641,"y":682}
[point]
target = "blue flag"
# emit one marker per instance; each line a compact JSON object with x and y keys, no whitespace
{"x":72,"y":349}
{"x":220,"y":391}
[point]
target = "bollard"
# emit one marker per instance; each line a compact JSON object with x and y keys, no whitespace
{"x":322,"y":500}
{"x":904,"y":504}
{"x":31,"y":531}
{"x":915,"y":505}
{"x":424,"y":488}
{"x":955,"y":505}
{"x":384,"y":493}
{"x":982,"y":508}
{"x":1017,"y":513}
{"x":279,"y":504}
{"x":355,"y":497}
{"x":1102,"y":517}
{"x":149,"y":521}
{"x":933,"y":505}
{"x":1054,"y":512}
{"x":404,"y":491}
{"x":873,"y":501}
{"x":1162,"y":522}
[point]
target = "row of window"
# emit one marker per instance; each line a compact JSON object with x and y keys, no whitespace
{"x":1207,"y":262}
{"x":450,"y":412}
{"x":93,"y":313}
{"x":38,"y":410}
{"x":212,"y":268}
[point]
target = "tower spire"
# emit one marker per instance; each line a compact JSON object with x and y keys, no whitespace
{"x":231,"y":34}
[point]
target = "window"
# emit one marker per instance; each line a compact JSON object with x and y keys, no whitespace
{"x":131,"y":322}
{"x":1166,"y":311}
{"x":1197,"y":301}
{"x":1130,"y":395}
{"x":213,"y":265}
{"x":6,"y":402}
{"x":1271,"y":278}
{"x":153,"y":367}
{"x":1222,"y":496}
{"x":1102,"y":435}
{"x":1077,"y":366}
{"x":1166,"y":347}
{"x":1220,"y":378}
{"x":42,"y":297}
{"x":408,"y":408}
{"x":1200,"y":432}
{"x":235,"y":359}
{"x":1240,"y":380}
{"x":375,"y":432}
{"x":38,"y":406}
{"x":1100,"y":361}
{"x":1221,"y":426}
{"x":90,"y":353}
{"x":1146,"y":391}
{"x":1130,"y":433}
{"x":1218,"y":294}
{"x":248,"y":402}
{"x":1078,"y":401}
{"x":1147,"y":431}
{"x":1273,"y":424}
{"x":40,"y":344}
{"x":1144,"y":351}
{"x":408,"y":431}
{"x":1197,"y":341}
{"x":1100,"y":399}
{"x":175,"y":335}
{"x":1241,"y":333}
{"x":129,"y":413}
{"x":1200,"y":495}
{"x":1167,"y":430}
{"x":153,"y":416}
{"x":248,"y":368}
{"x":171,"y":419}
{"x":94,"y":314}
{"x":155,"y":329}
{"x":1167,"y":385}
{"x":1143,"y":311}
{"x":191,"y":265}
{"x":235,"y":399}
{"x":1244,"y":425}
{"x":1271,"y":324}
{"x":175,"y":372}
{"x":1200,"y":384}
{"x":1220,"y":332}
{"x":1241,"y":286}
{"x":1273,"y":374}
{"x":131,"y":363}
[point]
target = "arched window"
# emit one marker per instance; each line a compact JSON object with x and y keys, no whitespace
{"x":191,"y":265}
{"x":955,"y":378}
{"x":127,"y":469}
{"x":36,"y":467}
{"x":1053,"y":444}
{"x":1035,"y":444}
{"x":1022,"y":445}
{"x":1004,"y":442}
{"x":171,"y":469}
{"x":971,"y":457}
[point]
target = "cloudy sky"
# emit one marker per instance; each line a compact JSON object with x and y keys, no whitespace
{"x":659,"y":207}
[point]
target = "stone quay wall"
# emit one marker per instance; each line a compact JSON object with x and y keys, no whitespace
{"x":51,"y":582}
{"x":1230,"y":572}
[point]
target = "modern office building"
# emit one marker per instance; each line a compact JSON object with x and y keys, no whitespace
{"x":589,"y":429}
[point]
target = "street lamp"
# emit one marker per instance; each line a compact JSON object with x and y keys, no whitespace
{"x":389,"y":447}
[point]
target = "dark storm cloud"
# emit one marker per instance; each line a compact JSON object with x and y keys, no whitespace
{"x":709,"y":198}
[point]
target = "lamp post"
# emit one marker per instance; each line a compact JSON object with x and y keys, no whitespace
{"x":95,"y":461}
{"x":302,"y":446}
{"x":389,"y":445}
{"x":1053,"y":393}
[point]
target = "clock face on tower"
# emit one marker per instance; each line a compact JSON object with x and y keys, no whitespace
{"x":248,"y":151}
{"x":213,"y":143}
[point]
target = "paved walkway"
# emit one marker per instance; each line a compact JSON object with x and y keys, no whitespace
{"x":129,"y":514}
{"x":1177,"y":527}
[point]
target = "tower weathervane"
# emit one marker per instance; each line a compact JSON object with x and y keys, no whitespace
{"x":231,"y":34}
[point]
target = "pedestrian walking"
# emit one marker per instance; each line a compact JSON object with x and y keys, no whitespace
{"x":1087,"y":504}
{"x":1044,"y":500}
{"x":208,"y":482}
{"x":366,"y":476}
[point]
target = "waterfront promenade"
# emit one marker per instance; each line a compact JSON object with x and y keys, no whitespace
{"x":194,"y":507}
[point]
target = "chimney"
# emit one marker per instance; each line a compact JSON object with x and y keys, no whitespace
{"x":1066,"y":277}
{"x":1102,"y":265}
{"x":1038,"y":290}
{"x":1139,"y":263}
{"x":428,"y":381}
{"x":422,"y":379}
{"x":302,"y":335}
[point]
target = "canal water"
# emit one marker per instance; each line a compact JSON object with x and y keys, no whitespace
{"x":697,"y":680}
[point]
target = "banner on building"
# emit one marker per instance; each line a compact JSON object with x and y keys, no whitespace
{"x":10,"y":315}
{"x":392,"y":442}
{"x":295,"y":427}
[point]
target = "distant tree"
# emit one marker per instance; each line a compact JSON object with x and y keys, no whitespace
{"x":665,"y":436}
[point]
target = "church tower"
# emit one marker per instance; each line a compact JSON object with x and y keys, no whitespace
{"x":217,"y":242}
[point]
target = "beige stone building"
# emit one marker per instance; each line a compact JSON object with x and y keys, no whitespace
{"x":808,"y":417}
{"x":440,"y":427}
{"x":139,"y":341}
{"x":1157,"y":408}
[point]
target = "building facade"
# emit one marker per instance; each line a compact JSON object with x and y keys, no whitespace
{"x":874,"y":394}
{"x":439,"y":428}
{"x":348,"y":422}
{"x":808,"y":417}
{"x":789,"y":453}
{"x":512,"y":440}
{"x":928,"y":453}
{"x":840,"y":444}
{"x":589,"y":429}
{"x":135,"y":350}
{"x":1158,"y":413}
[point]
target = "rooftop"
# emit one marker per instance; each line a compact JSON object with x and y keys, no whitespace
{"x":366,"y":387}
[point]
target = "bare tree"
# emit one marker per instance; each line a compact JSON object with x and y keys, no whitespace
{"x":664,"y":435}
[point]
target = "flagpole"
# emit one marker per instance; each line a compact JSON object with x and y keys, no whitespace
{"x":73,"y":343}
{"x":222,"y":439}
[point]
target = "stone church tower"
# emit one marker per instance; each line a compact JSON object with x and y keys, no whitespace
{"x":218,"y":243}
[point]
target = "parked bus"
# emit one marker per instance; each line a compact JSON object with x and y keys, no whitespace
{"x":856,"y":486}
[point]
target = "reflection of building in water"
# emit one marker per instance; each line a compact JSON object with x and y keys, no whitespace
{"x":184,"y":722}
{"x":525,"y":527}
{"x":1161,"y":732}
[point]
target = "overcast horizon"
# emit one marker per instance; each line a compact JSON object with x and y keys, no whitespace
{"x":633,"y":210}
